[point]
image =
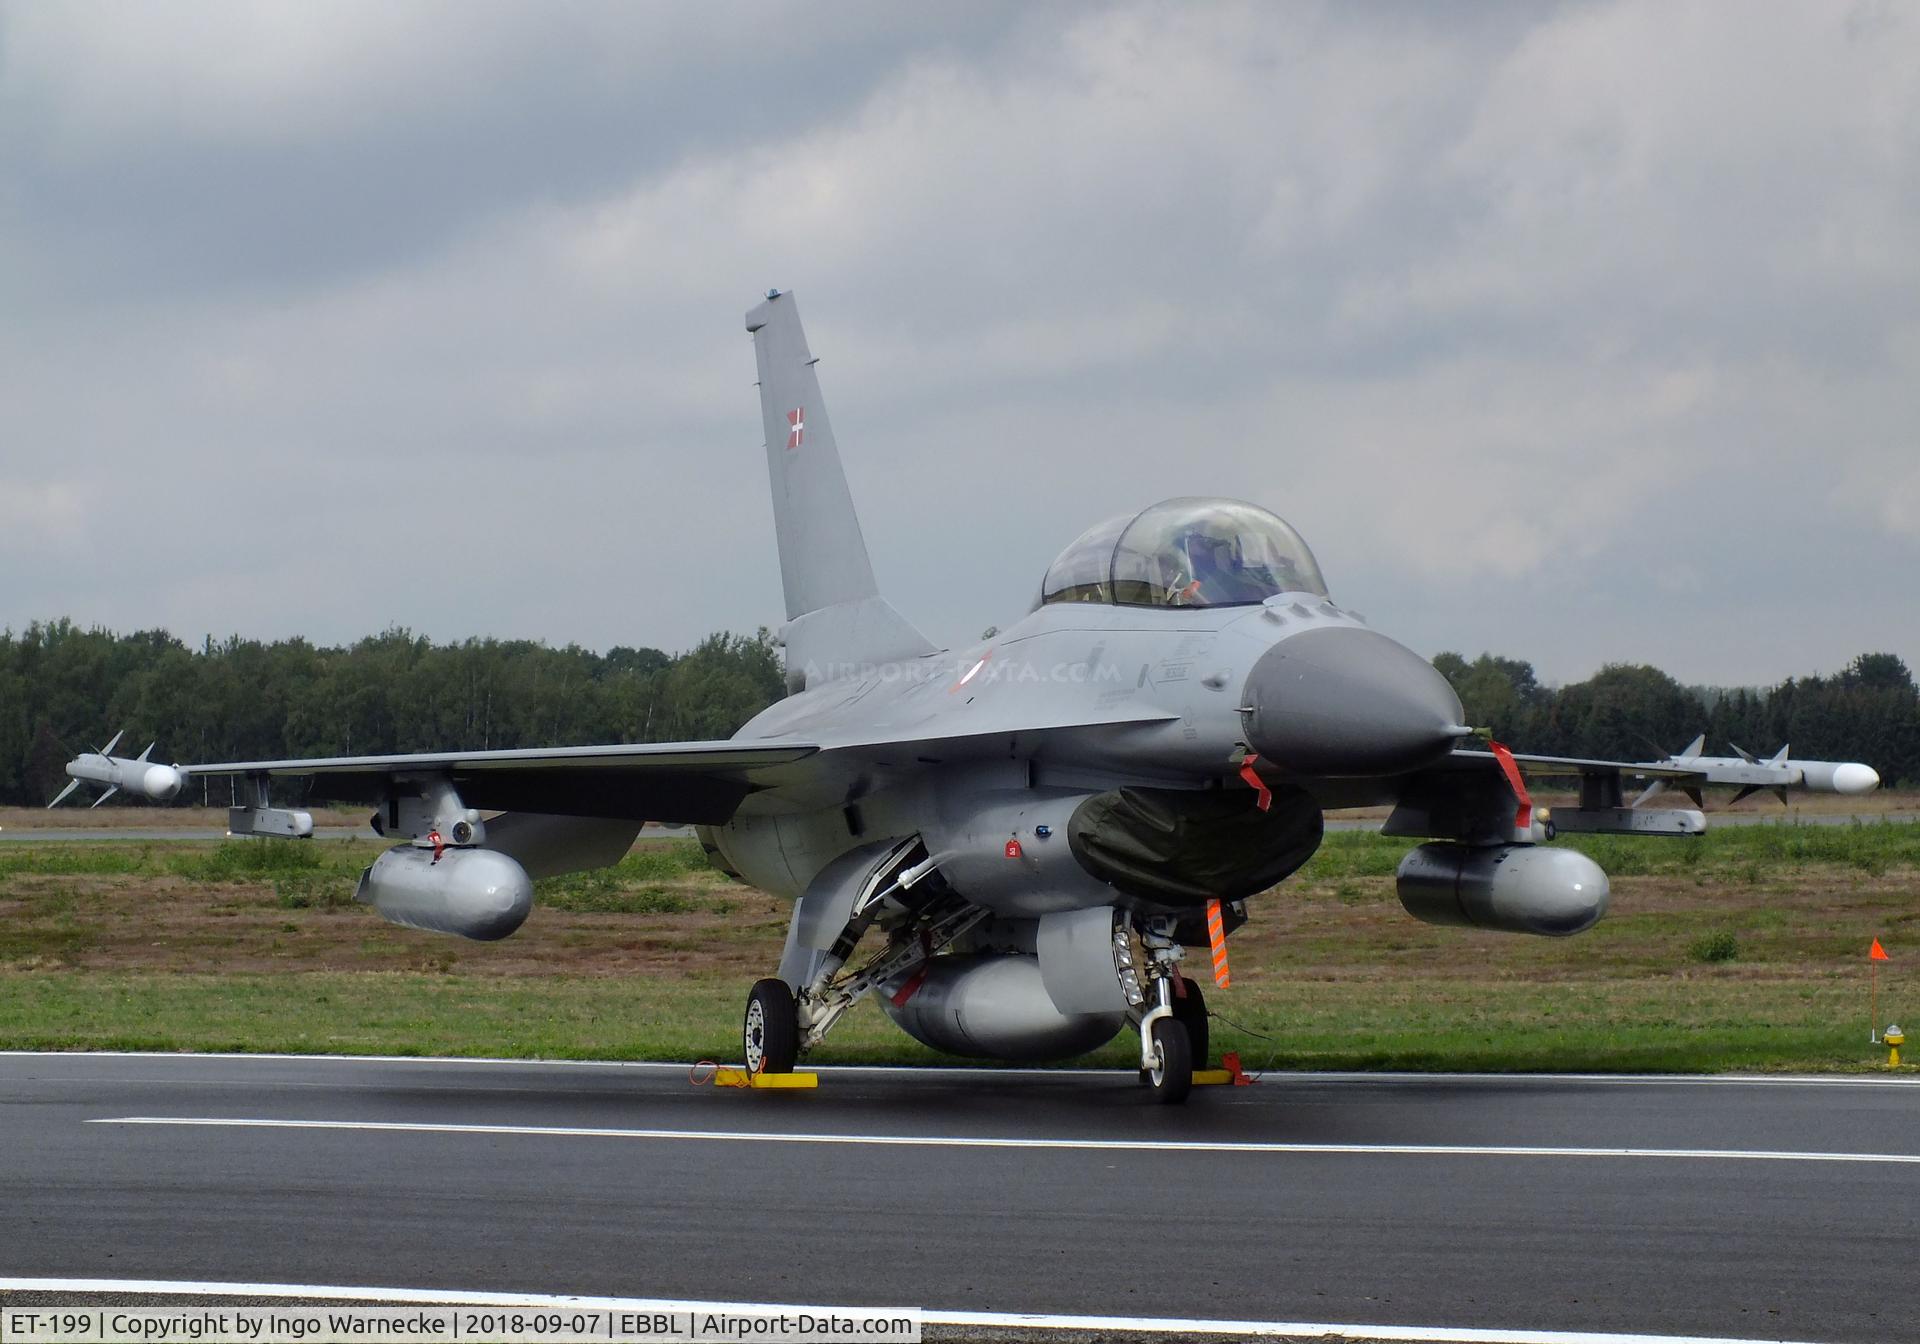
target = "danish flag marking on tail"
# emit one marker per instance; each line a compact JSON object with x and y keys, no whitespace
{"x":797,"y":426}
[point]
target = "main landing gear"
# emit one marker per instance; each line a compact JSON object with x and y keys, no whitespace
{"x":771,"y":1031}
{"x":904,"y":899}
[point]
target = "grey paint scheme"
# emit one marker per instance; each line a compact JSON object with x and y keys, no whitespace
{"x":474,"y":893}
{"x":982,"y":755}
{"x":836,"y":618}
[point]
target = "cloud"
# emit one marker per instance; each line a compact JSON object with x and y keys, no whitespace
{"x":1512,"y":314}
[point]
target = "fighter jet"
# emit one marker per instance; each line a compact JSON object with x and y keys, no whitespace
{"x":1012,"y":845}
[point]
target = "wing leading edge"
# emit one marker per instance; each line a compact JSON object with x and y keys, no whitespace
{"x":698,"y":783}
{"x":1474,"y":797}
{"x":693,"y":782}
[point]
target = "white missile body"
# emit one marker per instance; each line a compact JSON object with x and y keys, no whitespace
{"x":137,"y":775}
{"x":1779,"y":771}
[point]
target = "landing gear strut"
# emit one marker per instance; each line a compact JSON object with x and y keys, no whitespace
{"x":900,"y":894}
{"x":1166,"y":1042}
{"x":1190,"y":1009}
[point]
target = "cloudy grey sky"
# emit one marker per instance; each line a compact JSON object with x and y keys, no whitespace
{"x":1580,"y":333}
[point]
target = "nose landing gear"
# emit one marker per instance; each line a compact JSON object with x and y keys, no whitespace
{"x":1166,"y":1038}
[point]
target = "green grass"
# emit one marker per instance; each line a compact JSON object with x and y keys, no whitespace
{"x":234,"y":860}
{"x":1723,"y":945}
{"x":1729,"y":852}
{"x":1741,"y":949}
{"x":1693,"y":1025}
{"x":637,"y":885}
{"x":102,"y":859}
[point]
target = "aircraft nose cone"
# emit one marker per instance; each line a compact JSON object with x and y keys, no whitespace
{"x":1346,"y":702}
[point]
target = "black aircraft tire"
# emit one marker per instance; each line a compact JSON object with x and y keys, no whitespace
{"x":1173,"y":1078}
{"x":1191,"y":1012}
{"x":770,"y":1031}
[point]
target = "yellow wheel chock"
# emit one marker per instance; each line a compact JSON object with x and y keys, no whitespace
{"x":741,"y":1078}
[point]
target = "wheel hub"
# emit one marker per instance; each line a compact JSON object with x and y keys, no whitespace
{"x":756,"y":1036}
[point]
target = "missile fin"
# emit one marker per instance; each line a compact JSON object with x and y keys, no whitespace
{"x":61,"y":796}
{"x":111,"y":790}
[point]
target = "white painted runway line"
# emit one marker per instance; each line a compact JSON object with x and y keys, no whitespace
{"x":973,"y":1141}
{"x":1399,"y":1334}
{"x":971,"y":1071}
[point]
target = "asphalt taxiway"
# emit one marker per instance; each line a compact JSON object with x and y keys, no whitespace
{"x":1746,"y":1209}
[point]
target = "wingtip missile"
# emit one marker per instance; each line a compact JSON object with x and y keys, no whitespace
{"x":136,"y":775}
{"x":1776,"y":774}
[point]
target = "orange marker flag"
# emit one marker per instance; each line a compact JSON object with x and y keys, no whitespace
{"x":1217,"y":935}
{"x":1875,"y":955}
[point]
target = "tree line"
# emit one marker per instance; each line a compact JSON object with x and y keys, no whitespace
{"x":64,"y":689}
{"x":1869,"y":712}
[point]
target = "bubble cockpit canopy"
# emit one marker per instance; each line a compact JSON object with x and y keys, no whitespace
{"x":1185,"y":553}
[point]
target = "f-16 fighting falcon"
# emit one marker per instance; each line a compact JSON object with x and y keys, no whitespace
{"x":1013,"y":844}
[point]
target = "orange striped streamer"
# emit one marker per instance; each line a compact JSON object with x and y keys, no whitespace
{"x":1217,"y":935}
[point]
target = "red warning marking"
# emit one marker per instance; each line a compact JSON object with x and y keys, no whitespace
{"x":912,"y":987}
{"x":1523,"y":814}
{"x":797,"y":426}
{"x":1264,"y":795}
{"x":1013,"y":849}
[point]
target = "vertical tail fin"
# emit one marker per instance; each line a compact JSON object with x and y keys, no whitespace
{"x":836,"y":618}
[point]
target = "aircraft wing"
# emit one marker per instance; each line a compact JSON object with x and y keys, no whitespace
{"x":1569,"y":765}
{"x":699,"y":783}
{"x":696,"y":782}
{"x":1688,"y":770}
{"x":1481,"y":796}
